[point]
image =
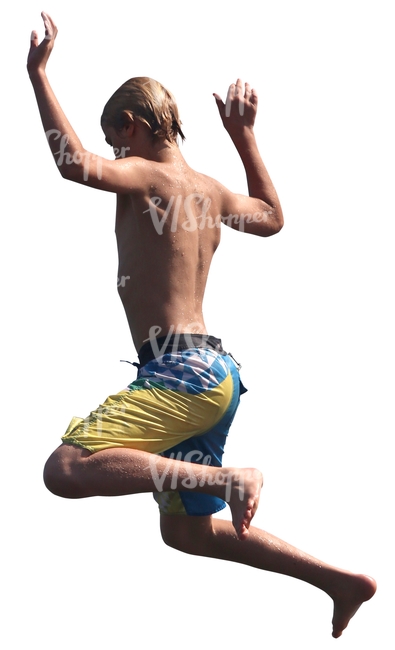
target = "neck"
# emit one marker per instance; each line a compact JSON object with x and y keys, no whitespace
{"x":161,"y":151}
{"x":143,"y":145}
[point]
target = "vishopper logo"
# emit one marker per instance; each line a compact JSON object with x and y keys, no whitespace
{"x":121,"y":281}
{"x":228,"y":104}
{"x":194,"y":209}
{"x":202,"y":474}
{"x":174,"y":335}
{"x":64,"y":157}
{"x":99,"y":419}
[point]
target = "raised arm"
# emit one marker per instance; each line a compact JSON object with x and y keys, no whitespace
{"x":238,"y":116}
{"x":74,"y":162}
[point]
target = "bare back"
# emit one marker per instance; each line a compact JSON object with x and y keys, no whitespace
{"x":168,"y":215}
{"x":167,"y":233}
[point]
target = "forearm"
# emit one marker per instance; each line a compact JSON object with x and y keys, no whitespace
{"x":259,"y":182}
{"x":66,"y":147}
{"x":238,"y":117}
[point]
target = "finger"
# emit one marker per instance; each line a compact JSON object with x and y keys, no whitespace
{"x":34,"y":38}
{"x":239,"y":87}
{"x":220,"y":105}
{"x":247,"y":93}
{"x":230,"y":93}
{"x":50,"y":27}
{"x":229,"y":99}
{"x":51,"y":22}
{"x":254,"y":97}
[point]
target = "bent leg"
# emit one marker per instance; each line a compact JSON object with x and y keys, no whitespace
{"x":73,"y":472}
{"x":216,"y":538}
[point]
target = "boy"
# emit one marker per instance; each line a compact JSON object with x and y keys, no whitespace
{"x":166,"y":432}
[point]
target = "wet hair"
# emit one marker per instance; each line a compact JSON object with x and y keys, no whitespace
{"x":148,"y":101}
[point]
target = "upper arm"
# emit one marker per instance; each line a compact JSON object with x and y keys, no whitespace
{"x":120,"y":176}
{"x":251,"y":215}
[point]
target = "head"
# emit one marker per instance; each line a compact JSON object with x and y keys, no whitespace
{"x":144,"y":99}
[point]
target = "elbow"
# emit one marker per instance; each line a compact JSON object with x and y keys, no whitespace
{"x":276,"y":222}
{"x":73,"y":166}
{"x":74,"y":173}
{"x":66,"y":167}
{"x":64,"y":171}
{"x":279,"y":224}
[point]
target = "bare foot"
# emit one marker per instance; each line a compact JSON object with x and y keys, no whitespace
{"x":347,"y":601}
{"x":243,"y":501}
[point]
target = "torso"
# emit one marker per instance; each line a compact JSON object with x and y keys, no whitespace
{"x":167,"y":233}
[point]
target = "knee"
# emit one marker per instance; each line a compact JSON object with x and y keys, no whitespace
{"x":60,"y":476}
{"x":55,"y":479}
{"x":174,"y":538}
{"x":180,"y":533}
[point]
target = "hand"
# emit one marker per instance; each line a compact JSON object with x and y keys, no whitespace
{"x":240,"y":109}
{"x":39,"y":52}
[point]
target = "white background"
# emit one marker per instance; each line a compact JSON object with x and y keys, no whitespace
{"x":309,"y":313}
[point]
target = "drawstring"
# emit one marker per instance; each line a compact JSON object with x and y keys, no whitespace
{"x":132,"y":363}
{"x":236,"y":362}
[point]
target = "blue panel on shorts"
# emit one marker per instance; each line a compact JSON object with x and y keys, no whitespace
{"x":207,"y":449}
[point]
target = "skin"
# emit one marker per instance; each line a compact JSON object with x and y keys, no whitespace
{"x":171,"y":215}
{"x":180,"y":260}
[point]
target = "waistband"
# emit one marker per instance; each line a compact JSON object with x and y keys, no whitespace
{"x":155,"y":348}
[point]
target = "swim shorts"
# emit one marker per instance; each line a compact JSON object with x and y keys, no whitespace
{"x":180,"y":406}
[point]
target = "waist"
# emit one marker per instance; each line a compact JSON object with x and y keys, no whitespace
{"x":157,"y":347}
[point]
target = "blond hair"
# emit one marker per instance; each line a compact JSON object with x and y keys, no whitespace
{"x":148,"y":101}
